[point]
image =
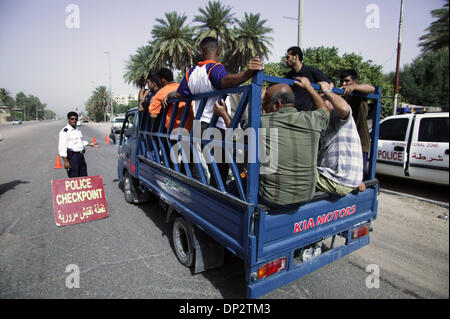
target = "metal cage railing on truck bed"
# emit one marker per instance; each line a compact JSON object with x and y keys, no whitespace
{"x":156,"y":142}
{"x":236,"y":221}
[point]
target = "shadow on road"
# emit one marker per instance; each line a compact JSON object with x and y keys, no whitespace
{"x":229,"y":279}
{"x":10,"y":185}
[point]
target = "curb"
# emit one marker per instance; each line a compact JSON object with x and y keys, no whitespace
{"x":442,"y":204}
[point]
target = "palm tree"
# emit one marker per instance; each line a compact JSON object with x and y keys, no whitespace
{"x":215,"y":21}
{"x":21,"y":101}
{"x":172,"y":43}
{"x":250,"y":40}
{"x":139,"y":66}
{"x":98,"y":103}
{"x":437,"y":36}
{"x":5,"y":98}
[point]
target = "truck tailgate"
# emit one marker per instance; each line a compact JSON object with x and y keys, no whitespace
{"x":312,"y":222}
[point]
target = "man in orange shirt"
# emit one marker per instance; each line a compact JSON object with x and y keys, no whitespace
{"x":168,"y":85}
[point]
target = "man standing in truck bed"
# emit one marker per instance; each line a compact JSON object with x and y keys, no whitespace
{"x":360,"y":109}
{"x":209,"y":76}
{"x":294,"y":60}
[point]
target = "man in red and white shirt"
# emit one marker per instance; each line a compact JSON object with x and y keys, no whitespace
{"x":209,"y":76}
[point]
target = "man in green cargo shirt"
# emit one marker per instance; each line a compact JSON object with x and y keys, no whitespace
{"x":295,"y":178}
{"x":292,"y":178}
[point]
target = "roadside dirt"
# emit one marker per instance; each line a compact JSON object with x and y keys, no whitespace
{"x":411,"y":242}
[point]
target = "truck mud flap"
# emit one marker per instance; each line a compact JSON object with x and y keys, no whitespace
{"x":208,"y":253}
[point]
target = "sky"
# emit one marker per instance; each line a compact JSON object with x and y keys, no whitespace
{"x":55,"y":49}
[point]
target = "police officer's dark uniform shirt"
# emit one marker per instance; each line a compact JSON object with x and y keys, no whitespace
{"x":303,"y":101}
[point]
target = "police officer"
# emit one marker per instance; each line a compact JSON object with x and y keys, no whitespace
{"x":71,"y":147}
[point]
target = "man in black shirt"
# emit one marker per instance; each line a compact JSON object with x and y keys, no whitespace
{"x":294,"y":60}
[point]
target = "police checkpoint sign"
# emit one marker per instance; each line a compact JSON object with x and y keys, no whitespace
{"x":78,"y":200}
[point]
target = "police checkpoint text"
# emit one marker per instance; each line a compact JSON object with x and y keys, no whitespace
{"x":78,"y":196}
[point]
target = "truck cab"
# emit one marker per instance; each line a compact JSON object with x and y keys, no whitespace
{"x":415,"y":146}
{"x":127,"y":159}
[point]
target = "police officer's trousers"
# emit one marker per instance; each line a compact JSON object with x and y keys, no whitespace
{"x":77,"y":163}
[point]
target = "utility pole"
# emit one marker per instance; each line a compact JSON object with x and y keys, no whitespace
{"x":299,"y":23}
{"x":397,"y":68}
{"x":110,"y":87}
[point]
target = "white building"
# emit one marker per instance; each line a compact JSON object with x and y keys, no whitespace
{"x":4,"y":114}
{"x":125,"y":99}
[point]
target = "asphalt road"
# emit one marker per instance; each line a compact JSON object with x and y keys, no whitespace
{"x":130,"y":254}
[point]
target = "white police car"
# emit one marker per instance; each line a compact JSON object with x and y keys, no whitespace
{"x":415,"y":146}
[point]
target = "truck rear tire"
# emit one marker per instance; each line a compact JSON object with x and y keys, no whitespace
{"x":183,"y":242}
{"x":129,"y":189}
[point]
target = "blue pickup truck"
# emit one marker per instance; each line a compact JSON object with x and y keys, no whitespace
{"x":277,"y":246}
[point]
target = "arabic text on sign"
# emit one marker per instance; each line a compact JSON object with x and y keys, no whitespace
{"x":87,"y":211}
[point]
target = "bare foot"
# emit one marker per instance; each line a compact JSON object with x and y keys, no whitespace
{"x":362,"y":187}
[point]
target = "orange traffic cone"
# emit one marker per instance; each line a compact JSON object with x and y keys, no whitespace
{"x":107,"y":139}
{"x":58,"y":162}
{"x":94,"y":140}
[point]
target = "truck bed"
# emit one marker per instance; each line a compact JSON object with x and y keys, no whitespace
{"x":259,"y":235}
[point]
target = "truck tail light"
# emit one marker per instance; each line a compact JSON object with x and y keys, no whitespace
{"x":360,"y":232}
{"x":271,"y":268}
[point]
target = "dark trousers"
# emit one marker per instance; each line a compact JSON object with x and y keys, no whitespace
{"x":77,"y":163}
{"x":365,"y":173}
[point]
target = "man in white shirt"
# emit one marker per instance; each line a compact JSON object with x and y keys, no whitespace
{"x":71,"y":147}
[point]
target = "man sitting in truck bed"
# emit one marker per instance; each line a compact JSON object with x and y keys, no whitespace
{"x":295,"y":178}
{"x":340,"y":159}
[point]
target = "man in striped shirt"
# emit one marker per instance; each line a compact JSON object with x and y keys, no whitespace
{"x":340,"y":158}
